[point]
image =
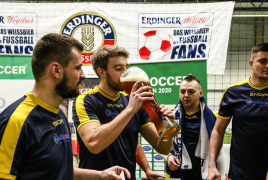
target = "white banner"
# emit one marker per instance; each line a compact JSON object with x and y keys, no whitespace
{"x":150,"y":32}
{"x":12,"y":90}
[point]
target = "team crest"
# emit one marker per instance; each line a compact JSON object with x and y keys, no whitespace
{"x":92,"y":30}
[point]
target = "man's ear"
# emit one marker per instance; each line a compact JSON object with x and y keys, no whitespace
{"x":101,"y":72}
{"x":250,"y":62}
{"x":55,"y":69}
{"x":201,"y":94}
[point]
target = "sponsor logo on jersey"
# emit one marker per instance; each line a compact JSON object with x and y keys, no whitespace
{"x":258,"y":94}
{"x":91,"y":29}
{"x":109,"y":113}
{"x":60,"y":121}
{"x":188,"y":124}
{"x":251,"y":102}
{"x":114,"y":105}
{"x":59,"y":139}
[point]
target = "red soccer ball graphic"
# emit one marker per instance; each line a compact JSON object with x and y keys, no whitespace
{"x":154,"y":45}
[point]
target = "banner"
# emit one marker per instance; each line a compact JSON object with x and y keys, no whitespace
{"x":165,"y":78}
{"x":167,"y":40}
{"x":17,"y":32}
{"x":14,"y":67}
{"x":150,"y":32}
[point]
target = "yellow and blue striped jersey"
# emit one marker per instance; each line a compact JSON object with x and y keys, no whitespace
{"x":35,"y":141}
{"x":96,"y":106}
{"x":248,"y":106}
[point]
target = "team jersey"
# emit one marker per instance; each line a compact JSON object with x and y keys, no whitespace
{"x":35,"y":141}
{"x":190,"y":132}
{"x":96,"y":106}
{"x":248,"y":105}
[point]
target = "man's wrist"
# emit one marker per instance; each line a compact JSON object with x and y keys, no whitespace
{"x":101,"y":174}
{"x":169,"y":155}
{"x":129,"y":110}
{"x":211,"y":164}
{"x":147,"y":170}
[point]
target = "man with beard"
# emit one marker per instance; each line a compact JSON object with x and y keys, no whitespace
{"x":246,"y":103}
{"x":35,"y":138}
{"x":108,"y":121}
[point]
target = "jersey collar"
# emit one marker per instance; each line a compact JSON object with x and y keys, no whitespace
{"x":106,"y":95}
{"x":192,"y":112}
{"x":256,"y":87}
{"x":44,"y":105}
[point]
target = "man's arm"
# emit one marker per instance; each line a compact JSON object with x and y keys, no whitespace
{"x":111,"y":173}
{"x":216,"y":141}
{"x":150,"y":134}
{"x":97,"y":137}
{"x":143,"y":163}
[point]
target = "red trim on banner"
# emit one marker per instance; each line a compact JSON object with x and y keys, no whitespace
{"x":86,"y":58}
{"x":108,"y":42}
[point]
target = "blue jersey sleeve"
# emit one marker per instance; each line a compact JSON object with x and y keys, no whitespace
{"x":145,"y":121}
{"x":225,"y":111}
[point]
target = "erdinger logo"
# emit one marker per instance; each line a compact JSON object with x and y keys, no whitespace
{"x":92,"y":30}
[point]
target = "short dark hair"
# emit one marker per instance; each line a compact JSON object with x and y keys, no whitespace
{"x":50,"y":48}
{"x":260,"y":47}
{"x":190,"y":78}
{"x":101,"y":56}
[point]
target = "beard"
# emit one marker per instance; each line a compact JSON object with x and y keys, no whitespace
{"x":263,"y":78}
{"x":112,"y":84}
{"x":64,"y":91}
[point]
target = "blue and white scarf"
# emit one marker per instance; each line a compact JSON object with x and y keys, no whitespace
{"x":208,"y":120}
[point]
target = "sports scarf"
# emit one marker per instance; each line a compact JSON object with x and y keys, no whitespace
{"x":208,"y":120}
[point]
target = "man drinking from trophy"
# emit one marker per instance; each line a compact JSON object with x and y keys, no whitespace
{"x":108,"y":120}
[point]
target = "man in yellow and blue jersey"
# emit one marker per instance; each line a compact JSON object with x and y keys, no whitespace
{"x":108,"y":120}
{"x":246,"y":103}
{"x":35,"y":138}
